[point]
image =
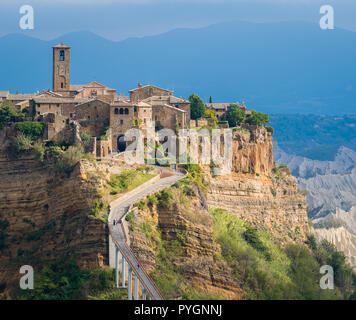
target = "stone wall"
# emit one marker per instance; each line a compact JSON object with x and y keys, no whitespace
{"x":169,"y":117}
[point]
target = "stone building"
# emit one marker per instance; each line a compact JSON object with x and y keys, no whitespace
{"x":221,"y":108}
{"x":97,"y":110}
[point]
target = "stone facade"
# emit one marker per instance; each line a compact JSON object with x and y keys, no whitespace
{"x":61,"y":68}
{"x":143,"y":92}
{"x":96,"y":108}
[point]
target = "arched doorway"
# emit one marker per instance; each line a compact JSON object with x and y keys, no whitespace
{"x":121,"y":143}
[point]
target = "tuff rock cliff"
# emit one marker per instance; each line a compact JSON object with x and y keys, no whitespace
{"x":45,"y":215}
{"x":267,"y":198}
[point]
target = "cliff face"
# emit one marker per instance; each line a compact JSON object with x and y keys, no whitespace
{"x":265,"y":198}
{"x":268,"y":199}
{"x":190,"y":226}
{"x":45,"y":215}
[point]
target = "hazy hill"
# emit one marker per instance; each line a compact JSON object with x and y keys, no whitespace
{"x":274,"y":67}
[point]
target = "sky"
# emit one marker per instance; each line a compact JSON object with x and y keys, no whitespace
{"x":120,"y":19}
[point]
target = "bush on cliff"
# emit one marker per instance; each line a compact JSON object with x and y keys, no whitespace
{"x":63,"y":280}
{"x":257,"y":118}
{"x":32,"y":129}
{"x":69,"y":159}
{"x":8,"y":114}
{"x":292,"y":273}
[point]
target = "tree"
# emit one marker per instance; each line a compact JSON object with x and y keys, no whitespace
{"x":211,"y":99}
{"x":210,"y":113}
{"x":235,"y":115}
{"x":197,"y":107}
{"x":257,"y":118}
{"x":8,"y":114}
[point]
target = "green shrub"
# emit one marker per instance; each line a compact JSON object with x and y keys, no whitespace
{"x":85,"y":137}
{"x":128,"y":180}
{"x":257,"y":118}
{"x":130,"y":216}
{"x":32,"y":129}
{"x":152,"y":200}
{"x":235,"y":115}
{"x":165,"y":198}
{"x":142,"y":204}
{"x":22,"y":142}
{"x":270,"y":129}
{"x":69,"y":159}
{"x":8,"y":114}
{"x":39,"y":149}
{"x":251,"y":236}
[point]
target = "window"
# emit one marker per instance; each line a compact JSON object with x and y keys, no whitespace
{"x":116,"y":111}
{"x":126,"y":111}
{"x":121,"y":111}
{"x":38,"y":105}
{"x":61,"y":55}
{"x":144,"y":120}
{"x":156,"y":118}
{"x":94,"y":93}
{"x":71,"y":115}
{"x":57,"y":104}
{"x":88,"y":117}
{"x":135,"y":109}
{"x":121,"y":121}
{"x":62,"y":85}
{"x":144,"y":110}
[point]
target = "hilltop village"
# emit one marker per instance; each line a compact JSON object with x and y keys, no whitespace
{"x":99,"y":112}
{"x":196,"y":233}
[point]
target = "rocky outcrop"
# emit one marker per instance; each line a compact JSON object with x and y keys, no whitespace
{"x":268,"y":200}
{"x":255,"y":194}
{"x":190,"y":224}
{"x":252,"y":151}
{"x":45,"y":215}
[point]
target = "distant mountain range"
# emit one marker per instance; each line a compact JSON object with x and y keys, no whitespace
{"x":274,"y":67}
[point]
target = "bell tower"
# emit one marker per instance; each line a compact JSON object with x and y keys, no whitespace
{"x":61,"y":68}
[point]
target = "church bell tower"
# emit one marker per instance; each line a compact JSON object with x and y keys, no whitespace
{"x":61,"y":68}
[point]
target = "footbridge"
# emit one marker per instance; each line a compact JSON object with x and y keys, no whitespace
{"x":120,"y":251}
